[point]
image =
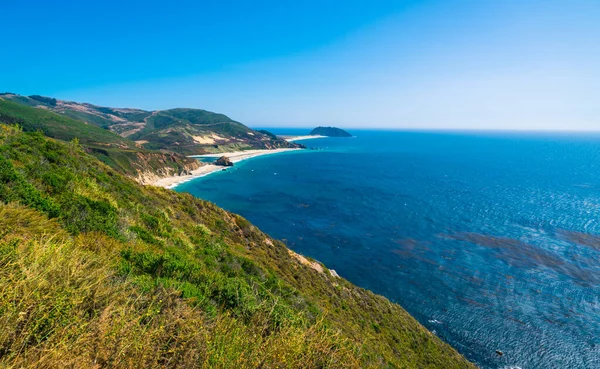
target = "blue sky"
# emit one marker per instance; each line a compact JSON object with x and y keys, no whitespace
{"x":476,"y":64}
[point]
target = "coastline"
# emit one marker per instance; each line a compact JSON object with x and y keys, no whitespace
{"x":235,"y":157}
{"x":299,"y":138}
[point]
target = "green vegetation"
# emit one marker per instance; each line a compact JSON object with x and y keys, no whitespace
{"x":96,"y":115}
{"x":118,"y":152}
{"x":183,"y":131}
{"x":267,"y":133}
{"x":44,"y":100}
{"x":330,"y":132}
{"x":60,"y":127}
{"x":190,"y":116}
{"x":179,"y":129}
{"x":98,"y":271}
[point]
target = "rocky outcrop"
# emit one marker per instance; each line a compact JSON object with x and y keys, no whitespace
{"x":304,"y":261}
{"x":150,"y":177}
{"x":224,"y":161}
{"x":329,"y":132}
{"x":159,"y":169}
{"x":149,"y":167}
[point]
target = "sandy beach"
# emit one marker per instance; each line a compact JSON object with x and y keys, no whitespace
{"x":235,"y":157}
{"x":298,"y":138}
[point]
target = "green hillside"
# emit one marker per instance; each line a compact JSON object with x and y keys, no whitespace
{"x":112,"y":149}
{"x":100,"y":116}
{"x":60,"y":127}
{"x":98,"y":271}
{"x":184,"y":131}
{"x":195,"y":131}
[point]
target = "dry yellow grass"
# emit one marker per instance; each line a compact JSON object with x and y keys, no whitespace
{"x":63,"y":305}
{"x":97,"y":271}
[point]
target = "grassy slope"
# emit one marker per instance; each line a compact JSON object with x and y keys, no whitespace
{"x":60,"y":127}
{"x":97,"y":269}
{"x":170,"y":130}
{"x":174,"y":130}
{"x":98,"y":115}
{"x":112,"y":149}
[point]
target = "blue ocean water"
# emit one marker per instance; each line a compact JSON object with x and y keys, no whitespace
{"x":486,"y":238}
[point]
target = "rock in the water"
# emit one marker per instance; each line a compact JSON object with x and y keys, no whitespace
{"x":329,"y":132}
{"x":224,"y":161}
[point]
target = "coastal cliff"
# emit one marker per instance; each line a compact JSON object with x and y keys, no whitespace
{"x":163,"y":278}
{"x":152,"y":169}
{"x":169,"y":280}
{"x":146,"y":167}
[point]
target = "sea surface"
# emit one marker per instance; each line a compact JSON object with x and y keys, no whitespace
{"x":490,"y":240}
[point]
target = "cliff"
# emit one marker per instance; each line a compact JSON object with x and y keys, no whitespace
{"x":99,"y":271}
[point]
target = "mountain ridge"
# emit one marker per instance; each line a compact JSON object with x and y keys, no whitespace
{"x":185,"y":131}
{"x":122,"y":154}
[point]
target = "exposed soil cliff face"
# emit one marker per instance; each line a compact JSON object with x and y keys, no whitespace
{"x":152,"y":167}
{"x":146,"y":167}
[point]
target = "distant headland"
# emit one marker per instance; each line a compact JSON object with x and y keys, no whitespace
{"x":319,"y":132}
{"x":329,"y":132}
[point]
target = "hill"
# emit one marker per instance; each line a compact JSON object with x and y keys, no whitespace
{"x":120,"y":153}
{"x":195,"y":131}
{"x":184,"y":131}
{"x":99,"y":271}
{"x":330,"y":132}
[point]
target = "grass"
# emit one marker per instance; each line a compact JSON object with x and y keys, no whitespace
{"x":58,"y":126}
{"x":98,"y":116}
{"x":59,"y":292}
{"x":170,"y":130}
{"x":174,"y":130}
{"x":98,"y":271}
{"x":112,"y":149}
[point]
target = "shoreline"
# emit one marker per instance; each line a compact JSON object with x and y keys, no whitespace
{"x":300,"y":138}
{"x":235,"y":157}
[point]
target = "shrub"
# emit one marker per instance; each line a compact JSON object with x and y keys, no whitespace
{"x":81,"y":214}
{"x":13,"y":187}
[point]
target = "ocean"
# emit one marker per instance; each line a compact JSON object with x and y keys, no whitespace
{"x":491,"y":240}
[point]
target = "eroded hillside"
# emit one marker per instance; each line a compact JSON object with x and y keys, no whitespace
{"x":182,"y":131}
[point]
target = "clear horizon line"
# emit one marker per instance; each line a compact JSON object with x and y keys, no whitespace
{"x":435,"y":129}
{"x":414,"y":129}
